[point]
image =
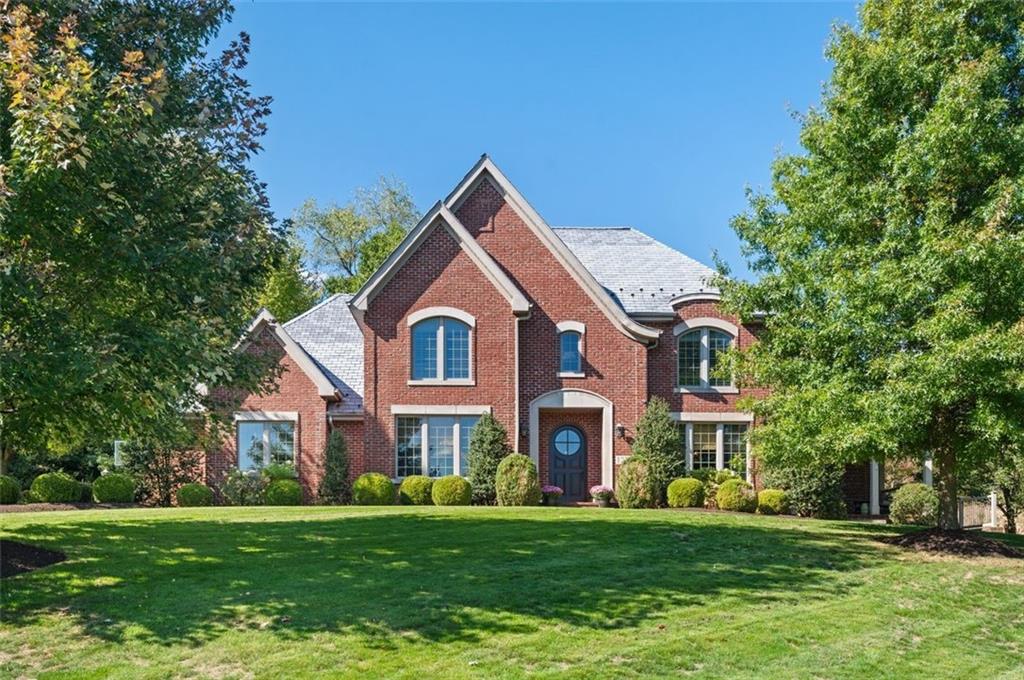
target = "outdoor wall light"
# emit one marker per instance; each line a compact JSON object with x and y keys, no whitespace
{"x":620,"y":431}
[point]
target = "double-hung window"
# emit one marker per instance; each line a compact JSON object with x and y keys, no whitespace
{"x":441,"y":350}
{"x":433,"y":445}
{"x":261,"y":443}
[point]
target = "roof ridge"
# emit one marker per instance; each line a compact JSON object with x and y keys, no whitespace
{"x":314,"y":308}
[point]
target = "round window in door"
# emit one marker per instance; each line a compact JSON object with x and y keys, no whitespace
{"x":569,"y":462}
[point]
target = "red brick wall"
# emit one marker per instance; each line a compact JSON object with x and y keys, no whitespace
{"x":589,"y":422}
{"x":615,"y":366}
{"x":662,"y":369}
{"x":295,"y":392}
{"x":439,"y":273}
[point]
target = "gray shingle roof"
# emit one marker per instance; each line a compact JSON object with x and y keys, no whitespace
{"x":330,"y":335}
{"x":640,"y":273}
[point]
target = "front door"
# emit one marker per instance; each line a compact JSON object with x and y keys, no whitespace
{"x":568,"y":456}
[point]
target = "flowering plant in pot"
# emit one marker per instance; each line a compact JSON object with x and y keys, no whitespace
{"x":550,"y":494}
{"x":602,"y":495}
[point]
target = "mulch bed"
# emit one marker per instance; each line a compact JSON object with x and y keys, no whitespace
{"x":17,"y":558}
{"x":42,"y":507}
{"x":959,"y":543}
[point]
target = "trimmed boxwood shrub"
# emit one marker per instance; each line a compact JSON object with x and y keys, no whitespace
{"x":415,"y":490}
{"x":280,"y":471}
{"x":10,"y":491}
{"x":516,"y":481}
{"x":55,"y":487}
{"x":194,"y":495}
{"x":452,"y":490}
{"x":914,"y":504}
{"x":114,"y":488}
{"x":736,"y":495}
{"x":283,"y":492}
{"x":84,"y":492}
{"x":772,"y":502}
{"x":373,"y":488}
{"x":813,"y":490}
{"x":686,"y":492}
{"x":27,"y":496}
{"x":636,"y":485}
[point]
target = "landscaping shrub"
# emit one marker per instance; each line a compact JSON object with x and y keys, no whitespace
{"x":160,"y":468}
{"x":10,"y":490}
{"x":114,"y":488}
{"x":636,"y":486}
{"x":735,"y":494}
{"x":516,"y":481}
{"x":451,"y":490}
{"x":488,"y":445}
{"x":772,"y":502}
{"x":276,"y":471}
{"x":659,"y":442}
{"x":373,"y":488}
{"x":813,"y":491}
{"x":84,"y":492}
{"x":55,"y":487}
{"x":28,"y":496}
{"x":914,"y":504}
{"x":283,"y":492}
{"x":712,"y":479}
{"x":415,"y":490}
{"x":244,"y":487}
{"x":334,"y":487}
{"x":194,"y":495}
{"x":686,"y":492}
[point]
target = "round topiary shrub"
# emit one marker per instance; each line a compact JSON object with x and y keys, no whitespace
{"x":914,"y":504}
{"x":686,"y":492}
{"x":114,"y":488}
{"x":516,"y":481}
{"x":283,"y":492}
{"x":736,"y":495}
{"x":373,"y":488}
{"x":84,"y":492}
{"x":772,"y":502}
{"x":194,"y":495}
{"x":10,"y":491}
{"x":415,"y":490}
{"x":451,"y":490}
{"x":635,"y":485}
{"x":55,"y":487}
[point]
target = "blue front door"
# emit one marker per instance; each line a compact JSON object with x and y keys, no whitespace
{"x":568,"y":456}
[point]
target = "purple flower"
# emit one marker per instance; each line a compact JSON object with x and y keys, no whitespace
{"x":549,"y":490}
{"x":601,"y":491}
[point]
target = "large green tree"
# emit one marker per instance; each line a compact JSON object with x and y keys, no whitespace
{"x":289,"y":290}
{"x":348,"y":243}
{"x":890,"y":250}
{"x":133,"y":235}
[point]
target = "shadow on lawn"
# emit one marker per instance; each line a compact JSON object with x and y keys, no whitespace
{"x":424,"y":577}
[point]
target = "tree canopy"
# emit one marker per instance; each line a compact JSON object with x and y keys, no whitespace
{"x":290,"y":290}
{"x":889,"y":250}
{"x":133,"y":234}
{"x":348,"y":243}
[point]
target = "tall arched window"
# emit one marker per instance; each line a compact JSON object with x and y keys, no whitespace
{"x":441,"y":347}
{"x":699,"y":353}
{"x":570,"y":348}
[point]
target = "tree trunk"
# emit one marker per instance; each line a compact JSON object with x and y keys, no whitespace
{"x":944,"y":459}
{"x":1008,"y":510}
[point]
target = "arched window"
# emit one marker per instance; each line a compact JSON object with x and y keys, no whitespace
{"x":570,"y":348}
{"x":699,"y":352}
{"x":441,"y":350}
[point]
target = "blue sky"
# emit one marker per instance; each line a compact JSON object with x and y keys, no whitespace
{"x":655,"y":116}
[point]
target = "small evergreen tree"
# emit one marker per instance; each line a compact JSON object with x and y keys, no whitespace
{"x":659,"y":443}
{"x":334,"y":487}
{"x":487,"y":446}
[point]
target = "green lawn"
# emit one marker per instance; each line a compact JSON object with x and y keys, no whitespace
{"x":487,"y":592}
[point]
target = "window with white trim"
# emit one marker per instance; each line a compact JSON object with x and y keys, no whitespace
{"x":441,"y":349}
{"x":698,"y":353}
{"x":261,"y":443}
{"x":714,"y":445}
{"x":570,"y":352}
{"x":433,"y":445}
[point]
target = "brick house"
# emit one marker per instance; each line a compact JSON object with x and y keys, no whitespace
{"x":562,"y":333}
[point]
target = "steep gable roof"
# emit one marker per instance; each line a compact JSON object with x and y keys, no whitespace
{"x":643,"y":275}
{"x":265,"y":321}
{"x":486,"y":170}
{"x":439,"y":216}
{"x":332,"y":338}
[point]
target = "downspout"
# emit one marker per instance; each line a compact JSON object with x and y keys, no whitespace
{"x":515,"y":381}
